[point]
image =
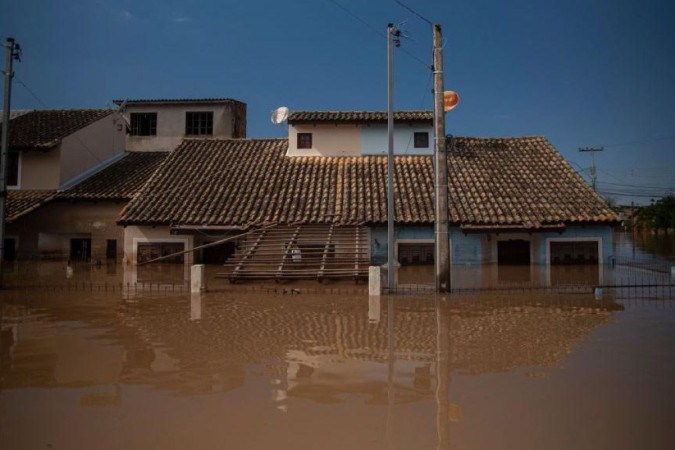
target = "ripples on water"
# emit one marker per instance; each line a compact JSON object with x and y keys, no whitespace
{"x":239,"y":370}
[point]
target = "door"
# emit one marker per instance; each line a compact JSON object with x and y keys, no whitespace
{"x":10,"y":249}
{"x":111,"y":249}
{"x":80,"y":249}
{"x":513,"y":252}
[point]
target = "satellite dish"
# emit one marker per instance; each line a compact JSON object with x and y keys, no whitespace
{"x":450,"y":100}
{"x":279,"y":115}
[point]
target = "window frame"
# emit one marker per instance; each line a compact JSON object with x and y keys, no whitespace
{"x":302,"y":143}
{"x":420,"y":134}
{"x":200,"y":124}
{"x":136,"y":129}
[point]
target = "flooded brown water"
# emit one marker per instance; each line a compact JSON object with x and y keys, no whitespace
{"x":241,"y":370}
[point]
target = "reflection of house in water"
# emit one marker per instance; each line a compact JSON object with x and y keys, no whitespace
{"x":314,"y":352}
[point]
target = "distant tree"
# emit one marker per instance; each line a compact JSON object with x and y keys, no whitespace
{"x":611,"y":202}
{"x":660,"y":215}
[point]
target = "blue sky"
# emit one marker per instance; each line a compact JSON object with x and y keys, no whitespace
{"x":582,"y":73}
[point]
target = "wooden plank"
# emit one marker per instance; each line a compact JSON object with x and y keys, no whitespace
{"x":248,"y":254}
{"x":325,"y":254}
{"x":291,"y":243}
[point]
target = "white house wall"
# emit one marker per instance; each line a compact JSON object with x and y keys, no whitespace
{"x":374,"y":139}
{"x":39,"y":169}
{"x":327,"y":140}
{"x":90,"y":146}
{"x":171,"y":125}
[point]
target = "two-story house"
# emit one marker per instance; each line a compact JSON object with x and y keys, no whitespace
{"x":161,"y":124}
{"x":68,"y":178}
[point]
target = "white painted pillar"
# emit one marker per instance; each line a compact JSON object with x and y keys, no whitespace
{"x":374,"y":280}
{"x":598,"y":293}
{"x":197,"y":278}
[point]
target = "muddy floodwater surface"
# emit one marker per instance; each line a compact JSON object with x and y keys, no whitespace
{"x":242,"y":370}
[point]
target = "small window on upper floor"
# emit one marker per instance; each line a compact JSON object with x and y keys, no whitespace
{"x":422,"y":139}
{"x":199,"y":123}
{"x":13,"y":169}
{"x":143,"y":124}
{"x":304,"y":140}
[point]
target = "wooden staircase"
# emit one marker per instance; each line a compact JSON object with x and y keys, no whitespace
{"x":301,"y":252}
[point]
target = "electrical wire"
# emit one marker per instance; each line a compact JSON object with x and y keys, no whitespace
{"x":44,"y":105}
{"x":378,"y":32}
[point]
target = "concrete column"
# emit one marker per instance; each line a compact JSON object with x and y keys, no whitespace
{"x":197,"y":278}
{"x":374,"y":309}
{"x":374,"y":280}
{"x":196,"y":306}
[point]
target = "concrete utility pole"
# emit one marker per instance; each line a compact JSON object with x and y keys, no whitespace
{"x":13,"y":52}
{"x":441,"y":186}
{"x":592,"y":151}
{"x":392,"y":33}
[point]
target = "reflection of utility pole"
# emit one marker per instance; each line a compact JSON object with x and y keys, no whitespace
{"x":442,"y":374}
{"x":390,"y":369}
{"x":592,"y":151}
{"x":13,"y":52}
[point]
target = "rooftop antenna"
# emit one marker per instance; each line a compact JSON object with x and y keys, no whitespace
{"x":280,"y":115}
{"x":120,"y":112}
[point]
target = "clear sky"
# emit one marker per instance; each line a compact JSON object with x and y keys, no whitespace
{"x":581,"y":72}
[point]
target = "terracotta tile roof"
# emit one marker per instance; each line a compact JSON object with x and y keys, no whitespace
{"x":516,"y":182}
{"x":358,"y":116}
{"x":20,"y":203}
{"x":140,"y":101}
{"x":44,"y":129}
{"x":119,"y":181}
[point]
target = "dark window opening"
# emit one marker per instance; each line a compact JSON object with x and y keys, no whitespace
{"x":422,"y":139}
{"x":413,"y":254}
{"x":304,"y":140}
{"x":143,"y":124}
{"x":574,"y":253}
{"x":514,"y":252}
{"x":80,"y":249}
{"x":199,"y":123}
{"x":111,"y":249}
{"x":9,"y":250}
{"x":218,"y":254}
{"x":13,"y":168}
{"x":149,"y":251}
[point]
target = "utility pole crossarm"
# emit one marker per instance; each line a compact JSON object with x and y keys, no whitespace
{"x":592,"y":151}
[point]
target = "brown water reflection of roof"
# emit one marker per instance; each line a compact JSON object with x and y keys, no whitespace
{"x":163,"y":348}
{"x":510,"y":182}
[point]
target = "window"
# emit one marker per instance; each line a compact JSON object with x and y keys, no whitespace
{"x":304,"y":140}
{"x":422,"y":139}
{"x":199,"y":123}
{"x":144,"y":124}
{"x":13,"y":169}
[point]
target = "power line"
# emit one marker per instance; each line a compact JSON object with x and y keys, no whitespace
{"x":377,"y":31}
{"x":44,"y":105}
{"x":640,"y":141}
{"x":420,"y":16}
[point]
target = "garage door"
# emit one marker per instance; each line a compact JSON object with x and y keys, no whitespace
{"x":574,"y":252}
{"x":153,"y":250}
